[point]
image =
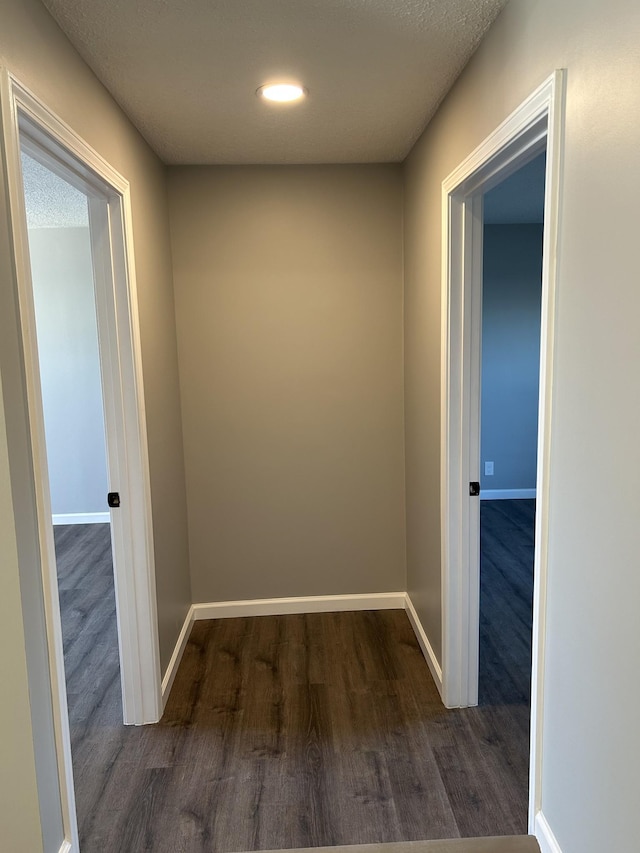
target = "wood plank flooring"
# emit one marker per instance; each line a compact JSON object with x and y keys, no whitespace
{"x":506,"y":601}
{"x":284,"y":732}
{"x":494,"y":844}
{"x":89,"y":634}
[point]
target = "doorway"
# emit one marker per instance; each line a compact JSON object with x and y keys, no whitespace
{"x":513,"y":224}
{"x":534,"y":127}
{"x":61,"y":259}
{"x":513,"y":216}
{"x":30,"y":128}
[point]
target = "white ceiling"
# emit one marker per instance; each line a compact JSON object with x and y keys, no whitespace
{"x":51,"y":202}
{"x":186,"y":71}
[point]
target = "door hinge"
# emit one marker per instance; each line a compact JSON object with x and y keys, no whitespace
{"x":113,"y":499}
{"x":474,"y":489}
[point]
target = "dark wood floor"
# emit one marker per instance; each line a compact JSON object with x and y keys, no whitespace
{"x":89,"y":634}
{"x":292,"y":731}
{"x":506,"y":601}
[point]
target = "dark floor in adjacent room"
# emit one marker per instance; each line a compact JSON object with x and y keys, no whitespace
{"x":506,"y":601}
{"x":89,"y":633}
{"x":297,"y":731}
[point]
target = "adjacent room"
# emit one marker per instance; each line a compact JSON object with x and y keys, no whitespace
{"x":513,"y":214}
{"x":61,"y":256}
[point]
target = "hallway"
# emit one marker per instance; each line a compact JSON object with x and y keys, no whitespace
{"x":290,"y":731}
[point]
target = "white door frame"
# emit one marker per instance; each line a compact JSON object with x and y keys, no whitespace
{"x":25,"y":118}
{"x":537,"y":124}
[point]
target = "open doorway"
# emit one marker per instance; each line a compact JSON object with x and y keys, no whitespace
{"x":513,"y":223}
{"x":534,"y":127}
{"x":62,"y":278}
{"x":30,"y":128}
{"x":513,"y":214}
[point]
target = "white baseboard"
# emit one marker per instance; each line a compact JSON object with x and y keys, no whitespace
{"x":545,"y":837}
{"x":306,"y":604}
{"x":81,"y":518}
{"x":425,"y":645}
{"x":66,"y":847}
{"x":176,"y":657}
{"x":506,"y":494}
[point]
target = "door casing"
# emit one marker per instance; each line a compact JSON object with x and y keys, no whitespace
{"x":535,"y":125}
{"x":26,"y":120}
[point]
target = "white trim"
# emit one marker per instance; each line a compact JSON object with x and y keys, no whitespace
{"x":306,"y":604}
{"x":545,"y":837}
{"x":25,"y":117}
{"x":506,"y":494}
{"x":537,"y":123}
{"x":81,"y":518}
{"x":551,"y":238}
{"x":31,"y":390}
{"x":483,"y":167}
{"x":176,"y":657}
{"x":121,"y":361}
{"x":127,"y":456}
{"x":423,"y":641}
{"x":66,"y":847}
{"x":518,"y":139}
{"x":471,"y":459}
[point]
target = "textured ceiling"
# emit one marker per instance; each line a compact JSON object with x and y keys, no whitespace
{"x":186,"y":71}
{"x":51,"y":202}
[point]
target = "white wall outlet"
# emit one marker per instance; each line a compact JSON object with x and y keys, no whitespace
{"x":488,"y":469}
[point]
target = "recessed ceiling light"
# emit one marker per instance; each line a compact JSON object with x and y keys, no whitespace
{"x":281,"y":92}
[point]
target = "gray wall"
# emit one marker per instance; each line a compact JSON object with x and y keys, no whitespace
{"x":289,"y":310}
{"x":590,"y":783}
{"x":19,"y":815}
{"x":33,"y":47}
{"x":63,"y":288}
{"x":511,"y":291}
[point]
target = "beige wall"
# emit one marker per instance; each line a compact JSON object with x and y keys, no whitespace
{"x":590,"y":782}
{"x":32,"y":46}
{"x":291,"y":370}
{"x":19,"y":815}
{"x":289,"y":310}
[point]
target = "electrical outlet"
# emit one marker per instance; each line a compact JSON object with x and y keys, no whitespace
{"x":488,"y":469}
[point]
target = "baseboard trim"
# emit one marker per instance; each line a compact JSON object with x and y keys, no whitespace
{"x":66,"y":847}
{"x":176,"y":657}
{"x":425,"y":645}
{"x":306,"y":604}
{"x":545,"y":837}
{"x":506,"y":494}
{"x":81,"y":518}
